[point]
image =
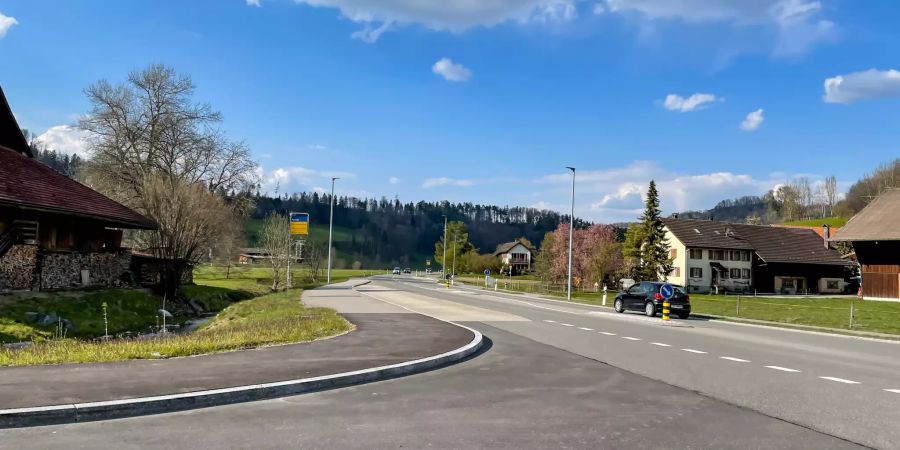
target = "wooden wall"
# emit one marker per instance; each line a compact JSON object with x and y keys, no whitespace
{"x":881,"y":280}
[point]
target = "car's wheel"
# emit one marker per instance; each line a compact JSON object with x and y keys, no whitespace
{"x":650,"y":309}
{"x":619,"y":306}
{"x":683,"y":315}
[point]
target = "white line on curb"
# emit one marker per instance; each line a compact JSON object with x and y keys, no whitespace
{"x":895,"y":391}
{"x":731,"y":358}
{"x":549,"y":321}
{"x":783,"y":369}
{"x":690,"y":350}
{"x":631,"y":338}
{"x":660,"y":344}
{"x":585,"y":329}
{"x":840,"y":380}
{"x":567,"y":324}
{"x":607,"y":333}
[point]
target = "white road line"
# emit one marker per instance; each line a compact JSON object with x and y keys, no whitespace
{"x":631,"y":338}
{"x":895,"y":391}
{"x":607,"y":333}
{"x":840,"y":380}
{"x":549,"y":321}
{"x":585,"y":329}
{"x":731,"y":358}
{"x":783,"y":369}
{"x":660,"y":344}
{"x":690,"y":350}
{"x":566,"y":324}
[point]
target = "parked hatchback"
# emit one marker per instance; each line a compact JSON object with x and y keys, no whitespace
{"x":645,"y":296}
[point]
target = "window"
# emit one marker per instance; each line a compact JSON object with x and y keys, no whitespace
{"x":746,"y":257}
{"x":746,"y":274}
{"x":695,"y":253}
{"x":673,"y":253}
{"x":696,"y":272}
{"x":676,"y":272}
{"x":832,"y":284}
{"x":717,"y":255}
{"x":735,"y":273}
{"x":787,"y":283}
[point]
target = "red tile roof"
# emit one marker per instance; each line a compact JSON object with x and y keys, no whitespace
{"x":26,"y":183}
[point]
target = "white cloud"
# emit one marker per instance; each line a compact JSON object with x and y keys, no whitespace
{"x":796,"y":24}
{"x":753,"y":120}
{"x":377,"y":16}
{"x":675,"y":102}
{"x":317,"y":147}
{"x":393,"y":180}
{"x":870,"y":84}
{"x":65,"y":139}
{"x":254,"y":3}
{"x":451,"y":71}
{"x":444,"y":181}
{"x":6,"y":23}
{"x":289,"y":179}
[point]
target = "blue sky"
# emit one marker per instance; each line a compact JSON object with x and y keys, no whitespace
{"x":488,"y":101}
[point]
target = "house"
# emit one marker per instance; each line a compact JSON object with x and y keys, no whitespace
{"x":56,"y":233}
{"x":715,"y":256}
{"x":516,"y":255}
{"x":875,"y":234}
{"x":256,"y":255}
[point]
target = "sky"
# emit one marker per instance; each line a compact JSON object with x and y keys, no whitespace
{"x":489,"y":101}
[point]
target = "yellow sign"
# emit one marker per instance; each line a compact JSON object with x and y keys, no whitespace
{"x":300,"y":223}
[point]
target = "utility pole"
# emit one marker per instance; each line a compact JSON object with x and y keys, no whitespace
{"x":444,"y":264}
{"x":453,"y":271}
{"x":330,"y":226}
{"x":571,"y":232}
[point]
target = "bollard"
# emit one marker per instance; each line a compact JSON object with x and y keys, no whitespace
{"x":604,"y":295}
{"x":739,"y":306}
{"x":666,"y":311}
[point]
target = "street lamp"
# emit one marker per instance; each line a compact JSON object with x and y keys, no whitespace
{"x":330,"y":226}
{"x":571,"y":232}
{"x":453,"y":271}
{"x":444,"y":264}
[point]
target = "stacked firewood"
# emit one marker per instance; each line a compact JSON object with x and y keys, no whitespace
{"x":17,"y":267}
{"x":63,"y":270}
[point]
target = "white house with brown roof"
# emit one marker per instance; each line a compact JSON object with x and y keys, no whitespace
{"x":515,"y":255}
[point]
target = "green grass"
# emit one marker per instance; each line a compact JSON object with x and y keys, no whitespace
{"x":270,"y":319}
{"x":830,"y":221}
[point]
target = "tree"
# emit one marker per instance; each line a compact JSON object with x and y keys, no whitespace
{"x":276,"y":240}
{"x":600,"y":253}
{"x":635,"y":237}
{"x":457,"y":234}
{"x":543,"y":260}
{"x":656,"y":263}
{"x":315,"y":253}
{"x":830,"y":190}
{"x":789,"y":202}
{"x":147,"y":138}
{"x":227,"y":246}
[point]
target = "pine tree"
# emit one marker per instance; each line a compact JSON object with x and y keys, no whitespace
{"x":655,"y":261}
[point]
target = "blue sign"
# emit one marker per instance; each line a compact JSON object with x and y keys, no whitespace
{"x":487,"y":272}
{"x":667,"y":291}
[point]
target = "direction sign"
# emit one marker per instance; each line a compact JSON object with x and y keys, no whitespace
{"x":667,"y":291}
{"x":487,"y":272}
{"x":300,"y":223}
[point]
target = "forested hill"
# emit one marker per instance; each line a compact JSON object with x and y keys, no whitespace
{"x":739,"y":210}
{"x":385,"y":232}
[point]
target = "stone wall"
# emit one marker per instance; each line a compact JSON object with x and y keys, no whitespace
{"x":17,"y":267}
{"x":63,"y":270}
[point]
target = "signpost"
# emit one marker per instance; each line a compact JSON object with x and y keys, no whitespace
{"x":299,"y":227}
{"x":667,"y":292}
{"x":487,"y":276}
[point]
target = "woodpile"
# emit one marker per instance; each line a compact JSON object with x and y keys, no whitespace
{"x":63,"y":270}
{"x":17,"y":267}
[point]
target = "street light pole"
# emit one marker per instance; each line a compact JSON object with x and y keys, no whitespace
{"x":453,"y":270}
{"x":330,"y":226}
{"x":571,"y":232}
{"x":444,"y":264}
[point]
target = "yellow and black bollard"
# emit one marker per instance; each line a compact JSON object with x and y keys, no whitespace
{"x":666,"y":311}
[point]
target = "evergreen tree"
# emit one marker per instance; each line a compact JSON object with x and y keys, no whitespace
{"x":656,"y":262}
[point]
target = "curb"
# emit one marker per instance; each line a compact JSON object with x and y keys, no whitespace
{"x":84,"y":412}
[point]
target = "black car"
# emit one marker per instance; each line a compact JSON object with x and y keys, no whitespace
{"x":645,"y":296}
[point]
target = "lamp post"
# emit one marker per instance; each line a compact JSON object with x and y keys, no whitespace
{"x":571,"y":232}
{"x":330,"y":226}
{"x":444,"y":251}
{"x":453,"y":270}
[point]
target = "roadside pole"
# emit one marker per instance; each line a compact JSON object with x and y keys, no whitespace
{"x":851,"y":313}
{"x":667,"y":292}
{"x":444,"y":251}
{"x":604,"y":294}
{"x":330,"y":226}
{"x":453,"y":271}
{"x":571,"y":232}
{"x":739,"y":306}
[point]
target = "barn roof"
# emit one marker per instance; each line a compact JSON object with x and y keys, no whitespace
{"x":507,"y":246}
{"x":11,"y":135}
{"x":878,"y":221}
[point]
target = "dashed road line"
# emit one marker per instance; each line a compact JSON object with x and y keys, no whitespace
{"x":660,"y":344}
{"x":566,"y":324}
{"x":549,"y":321}
{"x":783,"y":369}
{"x":585,"y":329}
{"x":895,"y":391}
{"x":690,"y":350}
{"x":631,"y":338}
{"x":607,"y":333}
{"x":840,"y":380}
{"x":731,"y":358}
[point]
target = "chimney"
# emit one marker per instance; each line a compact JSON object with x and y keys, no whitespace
{"x":826,"y":234}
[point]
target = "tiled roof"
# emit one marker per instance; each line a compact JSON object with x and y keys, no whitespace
{"x":771,"y":244}
{"x":706,"y":234}
{"x":27,"y":183}
{"x":507,"y":246}
{"x":879,"y":221}
{"x":10,"y":133}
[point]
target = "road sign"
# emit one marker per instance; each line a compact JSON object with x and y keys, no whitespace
{"x":487,"y":272}
{"x":300,"y":224}
{"x":667,"y":291}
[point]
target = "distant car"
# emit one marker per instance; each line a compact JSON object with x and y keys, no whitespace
{"x":396,"y":271}
{"x":645,"y":296}
{"x":407,"y":270}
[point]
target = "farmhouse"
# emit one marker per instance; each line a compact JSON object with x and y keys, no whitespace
{"x":516,"y":255}
{"x":875,"y":235}
{"x":56,"y":233}
{"x":715,"y":256}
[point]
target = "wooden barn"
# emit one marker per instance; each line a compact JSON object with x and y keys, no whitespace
{"x":875,"y":234}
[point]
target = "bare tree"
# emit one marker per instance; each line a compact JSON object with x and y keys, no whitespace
{"x":789,"y":201}
{"x":276,"y":240}
{"x":314,"y":255}
{"x":803,"y":188}
{"x":227,"y":247}
{"x":830,"y":188}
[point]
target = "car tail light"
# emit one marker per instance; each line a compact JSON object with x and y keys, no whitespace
{"x":657,"y":296}
{"x":687,"y":298}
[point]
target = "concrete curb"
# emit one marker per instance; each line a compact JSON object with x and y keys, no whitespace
{"x":83,"y":412}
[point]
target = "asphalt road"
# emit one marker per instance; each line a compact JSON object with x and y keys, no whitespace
{"x":559,"y":375}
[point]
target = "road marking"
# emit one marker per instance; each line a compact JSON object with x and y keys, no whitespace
{"x":549,"y":321}
{"x":840,"y":380}
{"x":660,"y":344}
{"x":566,"y":324}
{"x":607,"y":333}
{"x":895,"y":391}
{"x":731,"y":358}
{"x":690,"y":350}
{"x":585,"y":329}
{"x":631,"y":338}
{"x":783,"y":369}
